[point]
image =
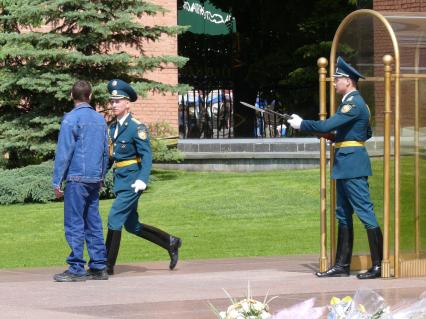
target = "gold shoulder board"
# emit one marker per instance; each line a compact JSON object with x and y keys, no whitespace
{"x":136,"y":121}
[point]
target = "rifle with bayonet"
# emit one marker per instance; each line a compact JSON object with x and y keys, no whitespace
{"x":267,"y":111}
{"x":328,"y":136}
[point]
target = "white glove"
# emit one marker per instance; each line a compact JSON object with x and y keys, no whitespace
{"x":138,"y":185}
{"x":295,"y":121}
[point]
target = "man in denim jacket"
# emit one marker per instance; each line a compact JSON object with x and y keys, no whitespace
{"x":81,"y":161}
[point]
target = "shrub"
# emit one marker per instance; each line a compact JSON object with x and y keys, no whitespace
{"x":33,"y":184}
{"x":164,"y":143}
{"x":28,"y":184}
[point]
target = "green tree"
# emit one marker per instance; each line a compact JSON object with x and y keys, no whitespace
{"x":45,"y":46}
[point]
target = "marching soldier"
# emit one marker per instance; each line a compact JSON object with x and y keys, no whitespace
{"x":351,"y":170}
{"x":130,"y":157}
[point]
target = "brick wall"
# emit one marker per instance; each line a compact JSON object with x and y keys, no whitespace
{"x":157,"y":107}
{"x":383,"y":46}
{"x":399,"y":5}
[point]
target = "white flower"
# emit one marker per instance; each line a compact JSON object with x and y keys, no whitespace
{"x":232,"y":313}
{"x":245,"y":304}
{"x":247,"y":308}
{"x":258,"y":306}
{"x":265,"y":315}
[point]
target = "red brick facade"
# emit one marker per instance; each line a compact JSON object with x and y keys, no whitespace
{"x":382,"y":45}
{"x":157,"y":107}
{"x":399,"y":5}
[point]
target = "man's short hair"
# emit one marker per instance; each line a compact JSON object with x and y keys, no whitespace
{"x":81,"y":91}
{"x":354,"y":82}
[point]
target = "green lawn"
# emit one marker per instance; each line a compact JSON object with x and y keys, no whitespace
{"x":216,"y":214}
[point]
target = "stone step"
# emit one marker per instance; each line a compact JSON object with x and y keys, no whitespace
{"x":307,"y":145}
{"x":255,"y":154}
{"x":249,"y":145}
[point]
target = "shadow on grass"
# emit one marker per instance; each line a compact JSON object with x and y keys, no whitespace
{"x":160,"y":175}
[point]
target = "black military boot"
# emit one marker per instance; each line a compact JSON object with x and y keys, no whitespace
{"x":112,"y":247}
{"x":341,"y":268}
{"x":375,"y":240}
{"x":165,"y":240}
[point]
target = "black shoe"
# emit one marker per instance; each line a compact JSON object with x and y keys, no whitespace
{"x":335,"y":271}
{"x":163,"y":239}
{"x":372,"y":273}
{"x":68,"y":276}
{"x":110,"y":270}
{"x":97,"y":274}
{"x":175,"y":244}
{"x":375,"y":241}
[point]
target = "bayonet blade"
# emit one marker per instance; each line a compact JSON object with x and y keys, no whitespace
{"x":258,"y":109}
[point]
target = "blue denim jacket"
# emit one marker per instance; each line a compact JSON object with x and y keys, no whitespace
{"x":82,"y":149}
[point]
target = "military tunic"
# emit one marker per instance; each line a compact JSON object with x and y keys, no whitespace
{"x":351,"y":161}
{"x":131,"y":159}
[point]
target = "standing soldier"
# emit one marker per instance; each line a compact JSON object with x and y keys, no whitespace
{"x":130,"y":157}
{"x":351,"y":170}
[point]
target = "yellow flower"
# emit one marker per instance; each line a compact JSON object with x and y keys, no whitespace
{"x":361,"y":308}
{"x":335,"y":300}
{"x":347,"y":299}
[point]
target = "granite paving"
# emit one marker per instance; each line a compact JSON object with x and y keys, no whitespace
{"x":149,"y":290}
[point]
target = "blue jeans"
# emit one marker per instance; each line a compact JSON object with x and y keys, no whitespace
{"x":82,"y":222}
{"x":353,"y":195}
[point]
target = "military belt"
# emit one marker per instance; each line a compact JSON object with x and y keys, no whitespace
{"x":125,"y":163}
{"x":349,"y":144}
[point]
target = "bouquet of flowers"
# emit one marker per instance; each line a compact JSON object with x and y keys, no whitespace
{"x":366,"y":304}
{"x":339,"y":308}
{"x":247,"y":308}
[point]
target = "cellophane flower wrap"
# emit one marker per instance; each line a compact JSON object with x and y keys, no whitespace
{"x":301,"y":310}
{"x":366,"y":304}
{"x":416,"y":310}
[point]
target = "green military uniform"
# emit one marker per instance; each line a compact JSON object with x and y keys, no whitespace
{"x":130,"y":152}
{"x":351,"y":170}
{"x":131,"y":160}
